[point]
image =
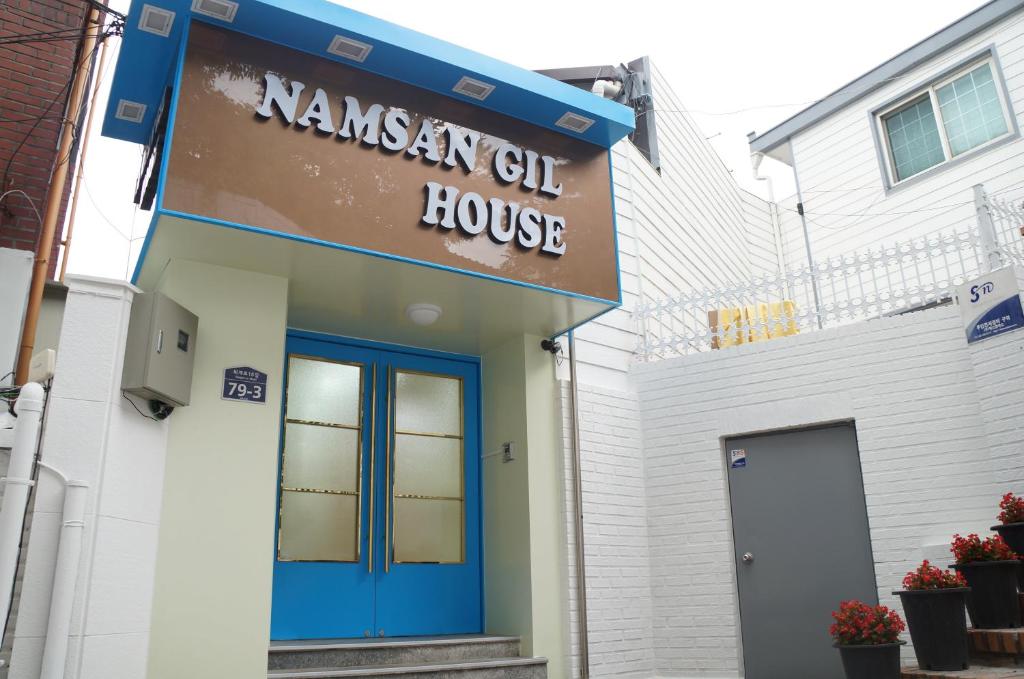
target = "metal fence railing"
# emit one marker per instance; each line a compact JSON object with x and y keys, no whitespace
{"x":875,"y":282}
{"x":1008,"y":224}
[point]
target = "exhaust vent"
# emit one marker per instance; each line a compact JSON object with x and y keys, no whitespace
{"x":575,"y":123}
{"x":349,"y":48}
{"x":156,"y":20}
{"x":218,"y":9}
{"x":473,"y":88}
{"x":131,"y":111}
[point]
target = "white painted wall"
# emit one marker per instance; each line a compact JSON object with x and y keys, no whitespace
{"x":921,"y":401}
{"x":841,"y":180}
{"x":689,"y":226}
{"x":211,"y":607}
{"x":15,"y":278}
{"x":93,"y":434}
{"x":615,"y":531}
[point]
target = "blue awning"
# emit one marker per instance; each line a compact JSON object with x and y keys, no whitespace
{"x":147,"y":60}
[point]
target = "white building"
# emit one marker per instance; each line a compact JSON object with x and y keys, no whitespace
{"x":857,"y":178}
{"x":703,"y":429}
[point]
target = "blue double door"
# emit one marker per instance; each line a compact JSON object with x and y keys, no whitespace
{"x":378,"y":524}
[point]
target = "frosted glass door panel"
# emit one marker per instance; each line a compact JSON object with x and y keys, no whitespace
{"x":323,"y":391}
{"x":318,"y":527}
{"x":428,"y":466}
{"x":428,"y":480}
{"x":321,"y":458}
{"x":321,"y":485}
{"x":428,"y":531}
{"x":428,"y":404}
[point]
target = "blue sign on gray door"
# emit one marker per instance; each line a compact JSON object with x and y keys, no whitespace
{"x":245,"y":384}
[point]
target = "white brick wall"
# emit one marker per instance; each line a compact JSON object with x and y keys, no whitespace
{"x":908,"y":382}
{"x":998,"y":367}
{"x":615,"y":534}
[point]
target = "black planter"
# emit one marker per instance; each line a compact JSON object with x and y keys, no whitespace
{"x":937,"y":620}
{"x":993,"y":602}
{"x":871,"y":661}
{"x":1012,"y":534}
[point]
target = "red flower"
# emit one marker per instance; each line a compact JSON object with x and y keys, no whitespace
{"x":1013,"y":509}
{"x":857,"y":623}
{"x":928,"y":576}
{"x":973,"y":548}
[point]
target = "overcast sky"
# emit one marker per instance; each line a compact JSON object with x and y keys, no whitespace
{"x":738,"y":66}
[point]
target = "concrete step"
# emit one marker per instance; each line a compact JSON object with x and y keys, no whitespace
{"x":1004,"y":647}
{"x":994,"y":655}
{"x":494,"y":668}
{"x":978,"y":672}
{"x":336,"y":653}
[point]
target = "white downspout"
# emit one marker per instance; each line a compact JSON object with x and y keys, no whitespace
{"x":65,"y":576}
{"x":780,"y":255}
{"x":17,"y":487}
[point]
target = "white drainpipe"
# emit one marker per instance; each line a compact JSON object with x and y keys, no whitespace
{"x":780,"y":257}
{"x":17,"y":486}
{"x":65,"y":576}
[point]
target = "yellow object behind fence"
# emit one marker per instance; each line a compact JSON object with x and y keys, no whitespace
{"x":752,"y":323}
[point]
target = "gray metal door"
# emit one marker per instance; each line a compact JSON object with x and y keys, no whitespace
{"x":802,"y":546}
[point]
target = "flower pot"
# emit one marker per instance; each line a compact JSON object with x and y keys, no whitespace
{"x":871,"y":661}
{"x":937,"y":620}
{"x":1012,"y":534}
{"x":993,"y":602}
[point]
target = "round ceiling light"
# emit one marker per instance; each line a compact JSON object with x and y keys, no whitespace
{"x":423,"y":314}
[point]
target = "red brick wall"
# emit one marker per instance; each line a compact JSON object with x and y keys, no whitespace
{"x":31,"y":75}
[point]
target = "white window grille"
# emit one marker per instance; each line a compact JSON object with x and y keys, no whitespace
{"x":963,"y":111}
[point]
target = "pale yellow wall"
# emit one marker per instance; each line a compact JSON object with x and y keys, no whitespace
{"x":211,"y":609}
{"x":549,"y":568}
{"x":524,"y":530}
{"x":506,"y":495}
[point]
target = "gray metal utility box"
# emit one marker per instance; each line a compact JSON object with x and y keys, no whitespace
{"x":161,"y":347}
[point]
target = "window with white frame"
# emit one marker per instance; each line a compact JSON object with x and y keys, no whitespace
{"x":950,"y":117}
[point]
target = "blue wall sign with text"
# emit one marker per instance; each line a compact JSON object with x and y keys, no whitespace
{"x":245,"y":384}
{"x":737,"y":459}
{"x":991,"y":305}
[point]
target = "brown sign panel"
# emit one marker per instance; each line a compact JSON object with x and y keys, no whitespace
{"x":269,"y":137}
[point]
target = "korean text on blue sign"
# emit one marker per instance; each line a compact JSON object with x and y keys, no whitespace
{"x":991,"y":305}
{"x":245,"y":384}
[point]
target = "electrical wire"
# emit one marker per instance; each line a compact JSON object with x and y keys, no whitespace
{"x":882,"y":214}
{"x":148,"y":417}
{"x":26,"y":197}
{"x":88,"y":194}
{"x":28,"y":119}
{"x":82,"y":63}
{"x":938,"y":66}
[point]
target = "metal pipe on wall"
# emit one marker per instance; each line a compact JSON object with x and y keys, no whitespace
{"x":807,"y":245}
{"x":577,"y":487}
{"x":65,"y":576}
{"x":80,"y":170}
{"x":780,"y":257}
{"x":17,"y":487}
{"x":55,"y":195}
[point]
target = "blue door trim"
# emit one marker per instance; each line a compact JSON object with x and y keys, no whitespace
{"x":418,"y":620}
{"x":381,"y":346}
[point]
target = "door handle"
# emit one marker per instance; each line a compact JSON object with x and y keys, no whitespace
{"x":389,"y":438}
{"x":371,"y":536}
{"x":748,"y":558}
